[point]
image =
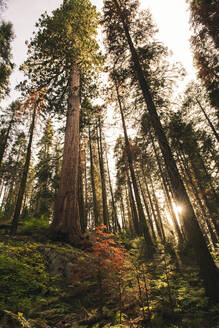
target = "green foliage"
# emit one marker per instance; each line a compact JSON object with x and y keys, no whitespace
{"x":34,"y":225}
{"x":157,"y":321}
{"x":192,"y":323}
{"x":139,"y":249}
{"x":103,"y":279}
{"x":45,"y":174}
{"x":76,"y":325}
{"x":3,"y":218}
{"x":6,"y":37}
{"x":64,"y":39}
{"x":205,"y":44}
{"x":23,"y":276}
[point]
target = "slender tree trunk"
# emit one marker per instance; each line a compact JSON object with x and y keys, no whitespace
{"x":208,"y":119}
{"x":187,"y":177}
{"x":1,"y":192}
{"x":148,"y":192}
{"x":208,"y":269}
{"x":115,"y":216}
{"x":142,"y":219}
{"x":4,"y":198}
{"x":123,"y":212}
{"x":83,"y":219}
{"x":4,"y":136}
{"x":147,"y":209}
{"x":23,"y":182}
{"x":66,"y":220}
{"x":213,"y":215}
{"x":133,"y":206}
{"x":158,"y":219}
{"x":85,"y":192}
{"x":196,"y":195}
{"x":208,"y":176}
{"x":198,"y":179}
{"x":129,"y":212}
{"x":172,"y":213}
{"x":96,"y":215}
{"x":103,"y":180}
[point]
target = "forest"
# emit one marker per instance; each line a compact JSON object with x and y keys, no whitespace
{"x":108,"y":173}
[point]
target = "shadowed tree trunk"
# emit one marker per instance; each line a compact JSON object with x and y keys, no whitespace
{"x":146,"y":208}
{"x":82,"y":210}
{"x":208,"y":119}
{"x":114,"y":211}
{"x":133,"y":206}
{"x":102,"y":174}
{"x":66,"y":220}
{"x":172,"y":213}
{"x":142,"y":220}
{"x":96,"y":215}
{"x":4,"y":137}
{"x":122,"y":212}
{"x":190,"y":179}
{"x":23,"y":183}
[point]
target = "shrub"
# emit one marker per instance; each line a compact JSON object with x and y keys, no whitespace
{"x":34,"y":225}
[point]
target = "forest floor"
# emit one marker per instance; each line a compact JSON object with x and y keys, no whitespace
{"x":54,"y":285}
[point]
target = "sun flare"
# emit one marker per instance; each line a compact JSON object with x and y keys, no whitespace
{"x":177,"y":208}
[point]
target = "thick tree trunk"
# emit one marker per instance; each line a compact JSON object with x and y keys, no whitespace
{"x":66,"y":220}
{"x":208,"y":269}
{"x":23,"y":182}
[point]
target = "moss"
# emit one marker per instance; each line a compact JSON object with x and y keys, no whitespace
{"x":23,"y":275}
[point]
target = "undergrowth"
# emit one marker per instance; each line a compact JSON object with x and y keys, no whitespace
{"x":111,"y":285}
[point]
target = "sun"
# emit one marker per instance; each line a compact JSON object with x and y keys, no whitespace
{"x":177,"y":209}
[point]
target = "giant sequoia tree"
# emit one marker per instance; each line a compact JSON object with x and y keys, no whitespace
{"x":63,"y":50}
{"x":120,"y":23}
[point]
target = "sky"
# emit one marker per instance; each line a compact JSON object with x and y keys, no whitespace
{"x":171,"y":17}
